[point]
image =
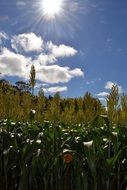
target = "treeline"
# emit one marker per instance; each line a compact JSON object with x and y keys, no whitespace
{"x":16,"y":101}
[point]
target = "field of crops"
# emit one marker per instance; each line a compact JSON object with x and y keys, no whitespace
{"x":52,"y":156}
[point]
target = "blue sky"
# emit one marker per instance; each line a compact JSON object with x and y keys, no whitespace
{"x":82,"y":48}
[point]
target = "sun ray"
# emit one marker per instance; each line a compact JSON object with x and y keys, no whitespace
{"x":51,"y":8}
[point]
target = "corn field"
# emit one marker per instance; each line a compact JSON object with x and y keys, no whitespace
{"x":50,"y":156}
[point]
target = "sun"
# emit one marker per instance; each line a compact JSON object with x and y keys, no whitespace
{"x":51,"y":8}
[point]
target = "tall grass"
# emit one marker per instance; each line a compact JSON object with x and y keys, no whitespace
{"x":49,"y":156}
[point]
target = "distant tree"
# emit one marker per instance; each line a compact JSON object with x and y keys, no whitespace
{"x":3,"y":81}
{"x":55,"y":107}
{"x":22,"y":86}
{"x":62,"y":107}
{"x":112,"y":103}
{"x":32,"y":78}
{"x":91,"y":107}
{"x":50,"y":98}
{"x":76,"y":107}
{"x":57,"y":96}
{"x":5,"y":85}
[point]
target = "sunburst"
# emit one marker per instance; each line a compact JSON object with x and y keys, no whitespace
{"x":51,"y":8}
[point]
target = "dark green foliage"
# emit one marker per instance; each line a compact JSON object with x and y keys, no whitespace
{"x":31,"y":156}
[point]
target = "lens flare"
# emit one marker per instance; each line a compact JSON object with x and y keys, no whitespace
{"x":51,"y":8}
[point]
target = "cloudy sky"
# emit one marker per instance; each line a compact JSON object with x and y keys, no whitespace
{"x":75,"y":45}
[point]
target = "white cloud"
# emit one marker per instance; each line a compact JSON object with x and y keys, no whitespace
{"x":120,"y":89}
{"x":61,"y":50}
{"x":12,"y":64}
{"x":41,"y":85}
{"x":54,"y":52}
{"x":55,"y":89}
{"x":56,"y":74}
{"x":102,"y":99}
{"x":44,"y":59}
{"x":110,"y":84}
{"x":3,"y":36}
{"x":16,"y":64}
{"x":27,"y":42}
{"x":76,"y":72}
{"x":102,"y":94}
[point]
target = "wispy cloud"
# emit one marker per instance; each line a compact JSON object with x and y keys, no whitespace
{"x":102,"y":94}
{"x":109,"y":44}
{"x":40,"y":85}
{"x":73,"y":6}
{"x":21,"y":3}
{"x":55,"y":89}
{"x":4,"y":18}
{"x":90,"y":82}
{"x":3,"y":36}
